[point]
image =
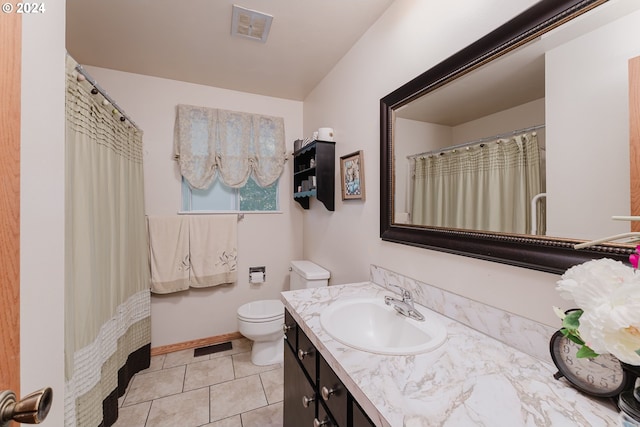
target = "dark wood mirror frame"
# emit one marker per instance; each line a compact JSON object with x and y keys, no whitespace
{"x":552,"y":255}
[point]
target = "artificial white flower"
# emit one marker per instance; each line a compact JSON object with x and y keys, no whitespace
{"x":591,"y":283}
{"x":608,"y":292}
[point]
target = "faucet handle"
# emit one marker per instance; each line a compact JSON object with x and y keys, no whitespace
{"x":405,"y":293}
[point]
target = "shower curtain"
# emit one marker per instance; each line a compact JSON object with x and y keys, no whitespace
{"x":487,"y":187}
{"x":107,"y":298}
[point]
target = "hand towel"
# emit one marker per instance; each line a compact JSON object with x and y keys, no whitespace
{"x":169,"y":253}
{"x":213,"y":249}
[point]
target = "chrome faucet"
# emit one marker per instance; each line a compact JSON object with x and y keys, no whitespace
{"x":404,"y":306}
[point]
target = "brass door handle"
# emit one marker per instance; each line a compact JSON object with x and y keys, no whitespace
{"x":31,"y":409}
{"x":286,"y":328}
{"x":328,"y":392}
{"x":318,"y":423}
{"x":306,"y":401}
{"x":302,"y":354}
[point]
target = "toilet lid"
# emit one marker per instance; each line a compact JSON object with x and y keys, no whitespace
{"x":261,"y":311}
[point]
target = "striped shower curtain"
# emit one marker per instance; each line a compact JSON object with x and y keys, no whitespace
{"x":487,"y":187}
{"x":107,"y":298}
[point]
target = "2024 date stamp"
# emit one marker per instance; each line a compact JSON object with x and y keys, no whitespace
{"x":24,"y":8}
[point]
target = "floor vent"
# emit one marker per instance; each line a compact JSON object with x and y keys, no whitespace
{"x":210,"y":349}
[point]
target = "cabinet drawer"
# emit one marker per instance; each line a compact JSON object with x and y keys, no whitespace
{"x":360,"y":419}
{"x":290,"y":331}
{"x":308,"y":356}
{"x":333,"y":392}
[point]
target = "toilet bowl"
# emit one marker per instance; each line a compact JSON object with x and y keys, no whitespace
{"x":261,"y":321}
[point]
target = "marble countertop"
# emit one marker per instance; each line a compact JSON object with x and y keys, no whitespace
{"x":472,"y":379}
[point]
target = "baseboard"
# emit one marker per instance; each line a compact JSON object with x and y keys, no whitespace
{"x":202,"y":342}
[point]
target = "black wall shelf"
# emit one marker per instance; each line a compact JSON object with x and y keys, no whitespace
{"x":315,"y":160}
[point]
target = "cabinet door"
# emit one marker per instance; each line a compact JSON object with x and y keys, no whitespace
{"x":299,"y":398}
{"x":308,"y":356}
{"x":333,"y":392}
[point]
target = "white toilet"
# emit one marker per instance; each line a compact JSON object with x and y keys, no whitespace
{"x":261,"y":321}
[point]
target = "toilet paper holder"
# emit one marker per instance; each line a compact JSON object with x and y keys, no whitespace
{"x":261,"y":269}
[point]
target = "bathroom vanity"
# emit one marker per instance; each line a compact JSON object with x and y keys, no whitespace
{"x":314,"y":395}
{"x":471,"y":379}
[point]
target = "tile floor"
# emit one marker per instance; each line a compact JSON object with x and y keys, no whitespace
{"x":217,"y":390}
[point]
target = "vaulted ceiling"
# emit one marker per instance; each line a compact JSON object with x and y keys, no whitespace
{"x":191,"y":40}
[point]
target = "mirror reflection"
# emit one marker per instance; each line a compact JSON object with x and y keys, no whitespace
{"x":535,"y":142}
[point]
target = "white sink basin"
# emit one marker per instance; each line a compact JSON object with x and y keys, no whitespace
{"x":369,"y":324}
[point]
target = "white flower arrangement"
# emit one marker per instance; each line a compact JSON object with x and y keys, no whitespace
{"x":607,"y":293}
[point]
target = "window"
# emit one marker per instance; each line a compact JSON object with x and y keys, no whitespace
{"x":219,"y":197}
{"x":229,"y":160}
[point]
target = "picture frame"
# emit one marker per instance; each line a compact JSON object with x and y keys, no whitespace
{"x":352,"y":176}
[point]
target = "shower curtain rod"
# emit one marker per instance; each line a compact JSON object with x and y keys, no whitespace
{"x":477,"y":141}
{"x":123,"y":115}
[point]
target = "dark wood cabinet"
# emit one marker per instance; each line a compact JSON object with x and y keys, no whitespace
{"x":313,"y":393}
{"x":299,"y":396}
{"x":314,"y":174}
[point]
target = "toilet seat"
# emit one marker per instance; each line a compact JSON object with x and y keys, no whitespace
{"x":261,"y":311}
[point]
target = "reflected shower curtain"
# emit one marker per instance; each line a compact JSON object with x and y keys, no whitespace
{"x":107,"y":298}
{"x":487,"y":187}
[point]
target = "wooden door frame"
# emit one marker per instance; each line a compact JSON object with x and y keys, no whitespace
{"x":634,"y":138}
{"x":10,"y":88}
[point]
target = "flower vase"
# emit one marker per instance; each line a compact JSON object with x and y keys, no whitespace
{"x":629,"y":400}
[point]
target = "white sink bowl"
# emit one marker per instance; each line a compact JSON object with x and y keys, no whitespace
{"x":369,"y":324}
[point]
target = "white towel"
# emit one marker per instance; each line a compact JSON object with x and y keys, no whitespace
{"x":213,"y":249}
{"x":169,"y":253}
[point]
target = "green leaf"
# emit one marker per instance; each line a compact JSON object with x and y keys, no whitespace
{"x":572,"y":320}
{"x":585,"y":351}
{"x":572,"y":336}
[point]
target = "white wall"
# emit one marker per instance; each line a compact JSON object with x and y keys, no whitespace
{"x":42,"y":206}
{"x":409,"y":38}
{"x":596,"y":134}
{"x":271,"y":239}
{"x":518,"y":117}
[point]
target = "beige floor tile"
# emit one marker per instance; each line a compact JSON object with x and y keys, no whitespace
{"x":234,"y":421}
{"x":153,"y":385}
{"x":269,"y":416}
{"x":133,"y":416}
{"x":235,"y":397}
{"x":208,"y":372}
{"x":182,"y":357}
{"x":189,"y":409}
{"x":273,"y":383}
{"x":243,"y":367}
{"x":157,"y":363}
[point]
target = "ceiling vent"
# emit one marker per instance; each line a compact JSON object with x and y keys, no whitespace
{"x":250,"y":24}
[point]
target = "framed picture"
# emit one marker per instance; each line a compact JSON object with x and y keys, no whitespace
{"x":352,"y":176}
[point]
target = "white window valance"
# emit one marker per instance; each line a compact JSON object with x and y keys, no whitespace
{"x":209,"y":142}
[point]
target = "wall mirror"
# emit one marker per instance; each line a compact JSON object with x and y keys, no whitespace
{"x":553,"y":79}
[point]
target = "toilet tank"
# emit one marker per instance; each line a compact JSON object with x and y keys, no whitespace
{"x":305,"y":274}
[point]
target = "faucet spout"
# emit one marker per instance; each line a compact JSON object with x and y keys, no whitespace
{"x":404,"y":306}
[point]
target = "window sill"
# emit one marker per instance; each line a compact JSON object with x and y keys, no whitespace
{"x":228,"y":212}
